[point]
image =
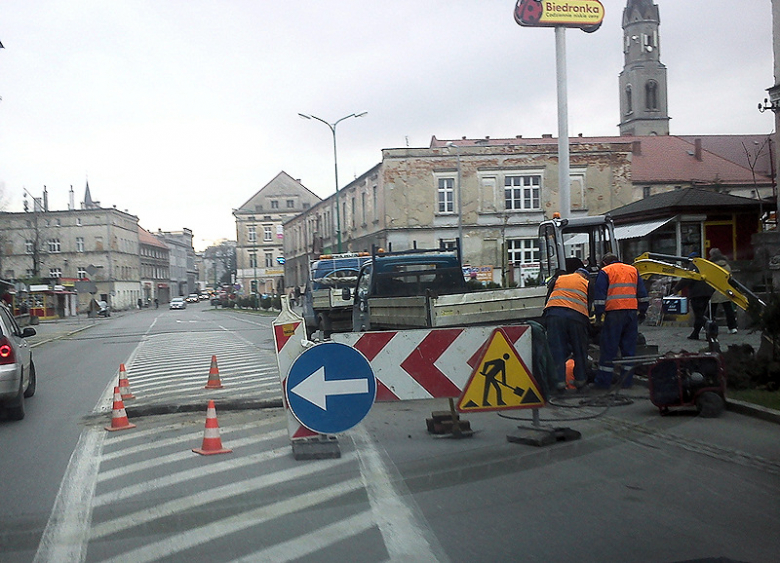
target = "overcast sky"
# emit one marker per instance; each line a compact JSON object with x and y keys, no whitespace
{"x":179,"y":111}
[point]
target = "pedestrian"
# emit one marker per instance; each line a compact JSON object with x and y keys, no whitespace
{"x":699,"y":293}
{"x":718,"y":298}
{"x":567,"y":318}
{"x":620,"y":296}
{"x":156,"y":303}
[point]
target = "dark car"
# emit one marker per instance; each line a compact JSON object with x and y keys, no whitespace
{"x":104,"y":310}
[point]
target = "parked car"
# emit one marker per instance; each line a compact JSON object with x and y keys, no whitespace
{"x":104,"y":310}
{"x":17,"y":370}
{"x":178,"y":303}
{"x":193,"y":298}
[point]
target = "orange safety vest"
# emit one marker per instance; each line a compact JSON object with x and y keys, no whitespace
{"x":570,"y":290}
{"x":621,"y":293}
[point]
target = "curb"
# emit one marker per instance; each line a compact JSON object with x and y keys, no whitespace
{"x":755,"y":411}
{"x":53,"y":338}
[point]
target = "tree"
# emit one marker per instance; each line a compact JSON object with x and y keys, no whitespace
{"x":223,"y":257}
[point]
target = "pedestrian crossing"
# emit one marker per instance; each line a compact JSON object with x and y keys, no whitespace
{"x":173,"y":368}
{"x":152,"y":499}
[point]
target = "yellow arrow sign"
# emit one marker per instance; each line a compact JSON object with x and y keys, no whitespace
{"x":501,"y":380}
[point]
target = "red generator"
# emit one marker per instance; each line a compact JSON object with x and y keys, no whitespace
{"x":689,"y":380}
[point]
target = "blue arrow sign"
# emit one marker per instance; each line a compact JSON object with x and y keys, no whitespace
{"x":330,"y":388}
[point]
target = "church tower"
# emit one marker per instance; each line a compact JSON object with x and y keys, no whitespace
{"x":643,"y":93}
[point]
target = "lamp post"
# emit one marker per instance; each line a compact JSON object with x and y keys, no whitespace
{"x":332,"y":127}
{"x":256,"y":292}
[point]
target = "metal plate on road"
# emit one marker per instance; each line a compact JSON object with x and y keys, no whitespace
{"x":330,"y":388}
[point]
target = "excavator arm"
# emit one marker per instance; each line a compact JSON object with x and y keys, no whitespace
{"x":716,"y":277}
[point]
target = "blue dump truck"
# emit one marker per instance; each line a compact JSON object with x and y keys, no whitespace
{"x":324,"y":306}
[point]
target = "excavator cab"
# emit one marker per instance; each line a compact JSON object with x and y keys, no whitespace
{"x":583,"y":238}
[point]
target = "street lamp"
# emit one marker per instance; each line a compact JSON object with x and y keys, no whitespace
{"x":332,"y":127}
{"x":254,"y":281}
{"x":460,"y":201}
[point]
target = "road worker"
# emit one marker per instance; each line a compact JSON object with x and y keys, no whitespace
{"x":620,"y":296}
{"x":566,"y":317}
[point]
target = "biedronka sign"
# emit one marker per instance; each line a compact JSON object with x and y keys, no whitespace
{"x":584,"y":14}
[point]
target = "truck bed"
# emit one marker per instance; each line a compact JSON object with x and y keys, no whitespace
{"x":464,"y":309}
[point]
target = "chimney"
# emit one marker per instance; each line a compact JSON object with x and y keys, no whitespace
{"x":636,"y":148}
{"x":45,"y":199}
{"x":697,"y":149}
{"x":546,"y":135}
{"x":71,"y":199}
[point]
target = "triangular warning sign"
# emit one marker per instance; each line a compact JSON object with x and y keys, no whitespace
{"x":501,"y":380}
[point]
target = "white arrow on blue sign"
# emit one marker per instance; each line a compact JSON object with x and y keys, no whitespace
{"x":330,"y":388}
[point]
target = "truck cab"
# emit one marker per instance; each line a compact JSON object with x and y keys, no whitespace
{"x":324,"y":306}
{"x":585,"y":238}
{"x":405,"y":274}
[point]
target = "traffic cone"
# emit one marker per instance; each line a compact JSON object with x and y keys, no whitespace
{"x":124,"y":384}
{"x":214,"y":382}
{"x":118,"y":415}
{"x":212,"y":443}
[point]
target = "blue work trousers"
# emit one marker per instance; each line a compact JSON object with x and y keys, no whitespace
{"x":567,"y":337}
{"x":618,"y":333}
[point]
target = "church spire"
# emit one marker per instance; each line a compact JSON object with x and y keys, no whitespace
{"x":643,"y":91}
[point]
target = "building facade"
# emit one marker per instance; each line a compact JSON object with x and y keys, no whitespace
{"x":154,"y":259}
{"x":64,"y":247}
{"x":493,"y":191}
{"x":643,"y":89}
{"x":260,"y":250}
{"x":181,"y":261}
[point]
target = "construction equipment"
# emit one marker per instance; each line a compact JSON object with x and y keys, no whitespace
{"x":716,"y":277}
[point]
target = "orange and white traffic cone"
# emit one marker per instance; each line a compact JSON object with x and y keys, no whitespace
{"x":118,"y":415}
{"x":214,"y":382}
{"x":212,"y":443}
{"x":124,"y":384}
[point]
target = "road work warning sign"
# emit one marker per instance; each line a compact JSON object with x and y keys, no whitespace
{"x":501,"y":380}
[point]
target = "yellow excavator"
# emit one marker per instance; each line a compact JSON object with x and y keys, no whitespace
{"x":716,"y":277}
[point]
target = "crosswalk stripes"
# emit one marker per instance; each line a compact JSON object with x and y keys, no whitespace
{"x":170,"y":364}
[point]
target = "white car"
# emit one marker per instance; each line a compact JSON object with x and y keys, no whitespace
{"x":17,"y":371}
{"x":178,"y":303}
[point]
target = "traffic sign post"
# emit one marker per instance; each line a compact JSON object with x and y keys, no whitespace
{"x":330,"y":388}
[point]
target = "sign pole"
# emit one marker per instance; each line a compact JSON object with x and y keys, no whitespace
{"x":564,"y":178}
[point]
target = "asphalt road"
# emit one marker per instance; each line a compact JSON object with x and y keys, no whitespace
{"x":636,"y":487}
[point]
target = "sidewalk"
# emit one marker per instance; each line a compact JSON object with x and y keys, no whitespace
{"x":46,"y":331}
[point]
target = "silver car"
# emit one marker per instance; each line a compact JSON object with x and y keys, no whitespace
{"x":17,"y":371}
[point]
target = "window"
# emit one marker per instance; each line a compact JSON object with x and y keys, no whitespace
{"x":446,"y":195}
{"x":374,"y":204}
{"x":290,"y":204}
{"x":523,"y":251}
{"x":629,"y":100}
{"x":29,"y":246}
{"x":651,"y":95}
{"x":252,"y":233}
{"x":55,"y":273}
{"x":81,"y":272}
{"x":646,"y":191}
{"x":363,"y":207}
{"x":522,"y":192}
{"x":274,"y":204}
{"x":78,"y":221}
{"x":267,"y":233}
{"x":53,"y":244}
{"x":79,"y":244}
{"x":252,"y":260}
{"x":269,"y":260}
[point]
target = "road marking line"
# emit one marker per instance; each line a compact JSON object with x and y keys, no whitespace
{"x":235,"y":523}
{"x":165,"y":443}
{"x":66,"y":535}
{"x":221,"y":493}
{"x":311,"y":543}
{"x":397,"y":519}
{"x":227,"y":464}
{"x":180,"y":456}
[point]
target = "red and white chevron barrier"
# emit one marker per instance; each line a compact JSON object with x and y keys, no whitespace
{"x":289,"y":334}
{"x":428,"y":363}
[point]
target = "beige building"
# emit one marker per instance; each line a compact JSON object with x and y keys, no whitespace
{"x":63,"y":247}
{"x":260,"y":254}
{"x":499,"y":188}
{"x":155,"y":267}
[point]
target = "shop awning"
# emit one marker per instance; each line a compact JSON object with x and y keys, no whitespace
{"x":638,"y":230}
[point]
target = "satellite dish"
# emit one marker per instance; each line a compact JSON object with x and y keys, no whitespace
{"x":649,"y":48}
